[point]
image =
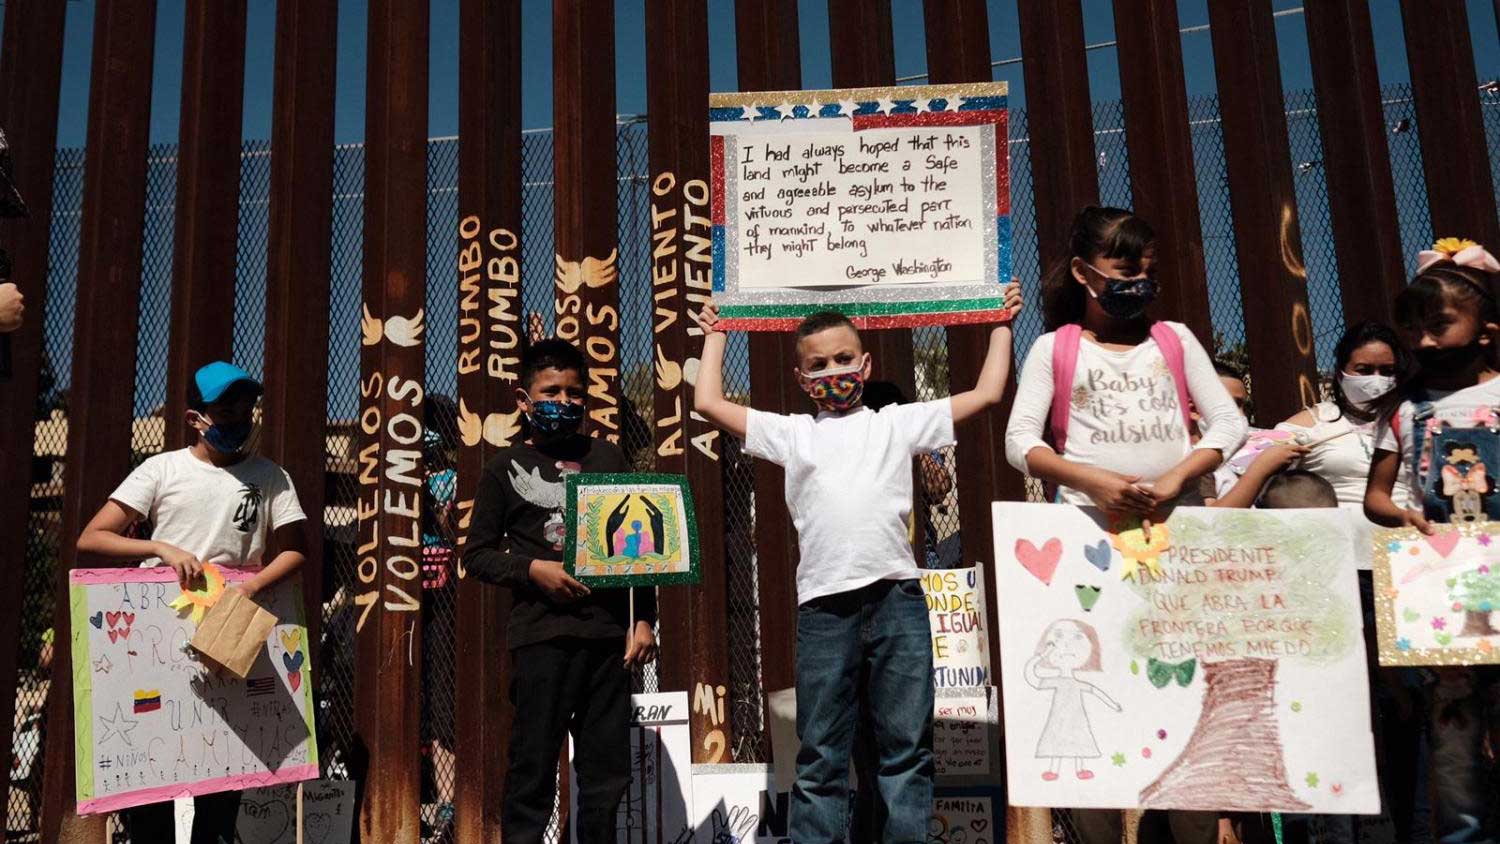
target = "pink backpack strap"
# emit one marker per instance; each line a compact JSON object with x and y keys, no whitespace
{"x":1171,"y":351}
{"x":1064,"y":365}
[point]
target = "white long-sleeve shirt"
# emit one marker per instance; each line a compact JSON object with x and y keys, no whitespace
{"x":1125,"y":413}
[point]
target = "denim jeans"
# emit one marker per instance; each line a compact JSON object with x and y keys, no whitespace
{"x":1465,"y":713}
{"x":871,"y":646}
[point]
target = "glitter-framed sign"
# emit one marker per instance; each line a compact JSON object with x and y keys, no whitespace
{"x":630,"y":529}
{"x":891,"y":205}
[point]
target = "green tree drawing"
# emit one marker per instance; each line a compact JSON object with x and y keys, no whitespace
{"x":1478,"y":591}
{"x":1239,"y":595}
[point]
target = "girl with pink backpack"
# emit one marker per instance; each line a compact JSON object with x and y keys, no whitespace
{"x":1112,"y":390}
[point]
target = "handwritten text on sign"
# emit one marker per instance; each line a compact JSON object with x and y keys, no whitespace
{"x":955,"y":612}
{"x":880,"y":206}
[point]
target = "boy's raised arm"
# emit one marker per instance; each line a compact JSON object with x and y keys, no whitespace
{"x":990,"y":386}
{"x":708,"y":392}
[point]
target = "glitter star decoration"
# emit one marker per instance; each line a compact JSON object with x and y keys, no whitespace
{"x":1118,"y":759}
{"x":1439,"y":623}
{"x":1312,"y":780}
{"x":1140,"y":548}
{"x":1403,"y":644}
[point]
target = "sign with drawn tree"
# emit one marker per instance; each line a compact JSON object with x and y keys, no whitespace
{"x":630,"y":529}
{"x":1436,"y":596}
{"x":1211,"y":662}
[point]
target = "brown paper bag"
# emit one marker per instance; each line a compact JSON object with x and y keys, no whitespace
{"x":233,"y":631}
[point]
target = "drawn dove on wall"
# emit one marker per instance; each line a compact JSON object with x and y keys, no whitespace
{"x":497,"y":429}
{"x":572,"y":276}
{"x":400,"y":330}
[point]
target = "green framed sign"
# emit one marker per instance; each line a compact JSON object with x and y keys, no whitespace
{"x":630,"y":529}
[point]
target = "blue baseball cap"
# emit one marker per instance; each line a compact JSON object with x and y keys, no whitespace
{"x":216,"y":379}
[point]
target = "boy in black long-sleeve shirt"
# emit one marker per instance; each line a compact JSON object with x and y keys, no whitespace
{"x":571,"y":652}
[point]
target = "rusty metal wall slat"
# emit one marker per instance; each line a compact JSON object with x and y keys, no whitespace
{"x":1356,"y":158}
{"x":1455,"y":159}
{"x":104,"y":354}
{"x":30,"y":80}
{"x":1162,"y":178}
{"x":585,"y":228}
{"x":695,"y":636}
{"x":208,"y":200}
{"x":769,"y":59}
{"x":1268,"y":239}
{"x":298,"y":262}
{"x":388,"y":634}
{"x":490,"y":335}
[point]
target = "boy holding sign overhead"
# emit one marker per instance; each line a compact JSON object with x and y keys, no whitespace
{"x":213,"y":502}
{"x":862,"y":628}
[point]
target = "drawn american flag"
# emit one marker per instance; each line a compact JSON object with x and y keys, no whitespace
{"x":258,"y":686}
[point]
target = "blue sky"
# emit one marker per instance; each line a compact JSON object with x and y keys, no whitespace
{"x":630,"y":57}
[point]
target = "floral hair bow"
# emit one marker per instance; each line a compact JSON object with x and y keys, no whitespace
{"x":1465,"y":253}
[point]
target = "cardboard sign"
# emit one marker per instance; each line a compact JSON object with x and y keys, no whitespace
{"x":891,"y":205}
{"x":630,"y":530}
{"x":153,"y":722}
{"x":1436,"y":596}
{"x":658,"y":802}
{"x":955,"y":611}
{"x":1214,"y":662}
{"x":233,"y":632}
{"x":965,"y":723}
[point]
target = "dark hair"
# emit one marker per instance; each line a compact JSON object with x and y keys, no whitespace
{"x":880,"y":394}
{"x":1228,"y":370}
{"x":1295,"y":489}
{"x":1443,"y":285}
{"x":195,"y":396}
{"x":1358,"y":336}
{"x":822,"y":321}
{"x":1097,"y":233}
{"x":551,"y":353}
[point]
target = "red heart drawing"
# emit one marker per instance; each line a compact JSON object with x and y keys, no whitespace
{"x":294,"y":679}
{"x":129,"y":619}
{"x":1041,"y":563}
{"x":115,"y":634}
{"x":1444,"y":543}
{"x":113,"y":618}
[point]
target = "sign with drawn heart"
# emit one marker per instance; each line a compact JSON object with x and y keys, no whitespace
{"x":966,"y":816}
{"x":1436,"y":596}
{"x":1212,"y":661}
{"x":154,"y":721}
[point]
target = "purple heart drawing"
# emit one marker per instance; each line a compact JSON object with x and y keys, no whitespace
{"x":1099,"y":555}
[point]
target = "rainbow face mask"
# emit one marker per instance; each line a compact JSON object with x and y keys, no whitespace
{"x":836,"y":390}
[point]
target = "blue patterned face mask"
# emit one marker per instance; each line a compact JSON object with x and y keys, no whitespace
{"x":554,"y":419}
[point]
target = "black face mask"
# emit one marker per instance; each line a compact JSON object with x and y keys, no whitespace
{"x":1127,"y":298}
{"x":1454,"y":359}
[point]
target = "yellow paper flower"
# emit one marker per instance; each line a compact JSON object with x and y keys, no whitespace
{"x":1140,"y":548}
{"x":1452,"y":245}
{"x":197,"y":601}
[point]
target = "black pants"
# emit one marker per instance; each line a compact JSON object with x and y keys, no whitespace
{"x":213,"y":820}
{"x":560,"y":686}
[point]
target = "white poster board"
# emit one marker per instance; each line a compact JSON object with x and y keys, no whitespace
{"x":1214,"y":664}
{"x":269,"y":815}
{"x":955,"y":612}
{"x":739,"y":804}
{"x":152,"y":722}
{"x":1436,"y":596}
{"x":964,"y":729}
{"x":658,"y":803}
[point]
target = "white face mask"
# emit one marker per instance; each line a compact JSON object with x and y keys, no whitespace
{"x":1361,"y":390}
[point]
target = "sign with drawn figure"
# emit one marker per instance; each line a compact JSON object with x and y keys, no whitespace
{"x":891,"y":205}
{"x":737,"y":804}
{"x":1213,"y":662}
{"x":955,"y":611}
{"x":965,"y":726}
{"x":630,"y":530}
{"x":1436,"y":596}
{"x":658,"y":803}
{"x":152,"y":722}
{"x":966,"y":816}
{"x":269,"y":815}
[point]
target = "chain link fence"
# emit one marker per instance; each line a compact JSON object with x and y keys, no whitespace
{"x":334,"y":678}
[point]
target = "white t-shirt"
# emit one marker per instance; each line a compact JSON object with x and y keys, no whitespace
{"x":1125,"y":413}
{"x":1342,"y":454}
{"x":848,"y":487}
{"x":1458,"y":409}
{"x":219,"y":514}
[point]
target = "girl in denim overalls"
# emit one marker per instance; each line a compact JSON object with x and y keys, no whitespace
{"x":1445,"y":440}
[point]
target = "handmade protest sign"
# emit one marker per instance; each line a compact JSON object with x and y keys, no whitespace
{"x":738,"y":803}
{"x":271,"y":815}
{"x":659,"y":800}
{"x":630,"y":530}
{"x":1436,"y":596}
{"x":152,"y":721}
{"x":955,"y":612}
{"x":965,"y":816}
{"x":964,"y":723}
{"x":891,"y":205}
{"x":1214,"y":662}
